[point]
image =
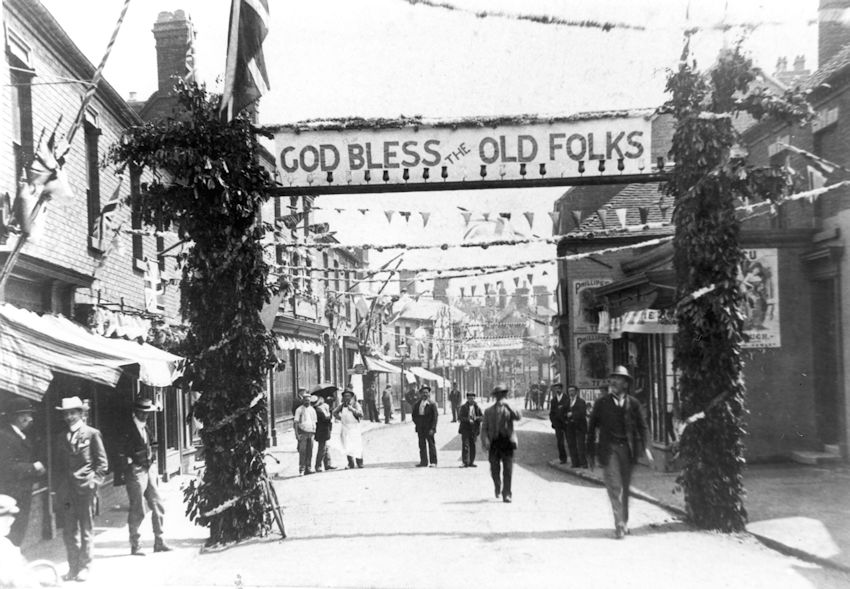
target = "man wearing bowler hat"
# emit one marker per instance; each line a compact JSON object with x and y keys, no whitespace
{"x":19,"y":468}
{"x":141,"y":477}
{"x":80,"y":468}
{"x":424,"y":416}
{"x":623,"y":436}
{"x":470,"y":416}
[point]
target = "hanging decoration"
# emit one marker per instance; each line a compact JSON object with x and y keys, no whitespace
{"x":600,"y":213}
{"x":406,"y":215}
{"x":389,"y":215}
{"x":576,"y":218}
{"x":529,"y":216}
{"x":425,"y":217}
{"x":621,"y":216}
{"x":466,"y":217}
{"x":556,"y":219}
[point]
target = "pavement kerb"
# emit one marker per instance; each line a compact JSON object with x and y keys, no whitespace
{"x":780,"y":547}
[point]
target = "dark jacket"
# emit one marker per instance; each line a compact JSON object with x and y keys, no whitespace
{"x":81,"y":463}
{"x":324,"y":423}
{"x":454,"y":397}
{"x":558,"y":411}
{"x":602,"y":418}
{"x":133,"y":447}
{"x":498,"y":425}
{"x":470,"y":417}
{"x":17,"y":473}
{"x":427,"y":422}
{"x":577,"y":418}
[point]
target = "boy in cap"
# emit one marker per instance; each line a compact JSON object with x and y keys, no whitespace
{"x":141,"y":478}
{"x":19,"y":468}
{"x":470,"y":416}
{"x":622,"y":438}
{"x":424,"y":416}
{"x":81,"y":466}
{"x":304,"y":424}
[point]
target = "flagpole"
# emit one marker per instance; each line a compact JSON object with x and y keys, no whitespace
{"x":227,"y":94}
{"x":98,"y":74}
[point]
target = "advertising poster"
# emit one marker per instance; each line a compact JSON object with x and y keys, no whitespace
{"x":592,"y":360}
{"x":760,"y":285}
{"x":585,"y":307}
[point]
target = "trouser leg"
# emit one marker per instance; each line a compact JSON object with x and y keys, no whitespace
{"x":154,"y":501}
{"x":320,"y":453}
{"x":387,"y":413}
{"x":507,"y":473}
{"x":308,"y":451}
{"x":472,"y":449}
{"x":581,"y":449}
{"x":302,"y":453}
{"x":423,"y":452}
{"x":85,"y":519}
{"x":71,"y":531}
{"x":562,"y":436}
{"x":454,"y":413}
{"x":432,"y":449}
{"x":135,"y":483}
{"x":626,"y":473}
{"x":495,"y":470}
{"x":464,"y":452}
{"x":613,"y":476}
{"x":19,"y":526}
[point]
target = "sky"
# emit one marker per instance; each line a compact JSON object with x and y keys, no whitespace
{"x":337,"y":58}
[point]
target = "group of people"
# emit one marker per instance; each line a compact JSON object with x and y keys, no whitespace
{"x":79,"y":467}
{"x":616,"y":435}
{"x":313,"y":425}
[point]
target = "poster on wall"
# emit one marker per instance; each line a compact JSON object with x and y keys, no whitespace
{"x":585,"y":305}
{"x":759,"y":279}
{"x":592,"y":360}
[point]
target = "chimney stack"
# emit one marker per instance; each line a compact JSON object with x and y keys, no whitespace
{"x":174,"y":34}
{"x":833,"y":28}
{"x":521,"y":297}
{"x":407,"y":282}
{"x":541,"y":296}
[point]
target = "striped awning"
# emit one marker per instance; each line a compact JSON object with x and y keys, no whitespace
{"x":33,"y":347}
{"x":425,"y":374}
{"x":378,"y":365}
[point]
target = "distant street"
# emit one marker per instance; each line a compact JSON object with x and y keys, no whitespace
{"x":393,"y":525}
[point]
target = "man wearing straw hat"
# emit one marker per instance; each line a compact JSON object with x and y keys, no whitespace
{"x":19,"y":468}
{"x":622,"y":438}
{"x":141,"y":478}
{"x":81,"y":466}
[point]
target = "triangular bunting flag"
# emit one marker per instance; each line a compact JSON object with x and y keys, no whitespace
{"x":466,"y":217}
{"x":406,"y":215}
{"x":576,"y":218}
{"x":516,"y":281}
{"x":621,"y":216}
{"x":363,"y":211}
{"x":462,"y":292}
{"x":644,"y":214}
{"x":601,"y":214}
{"x":506,"y":216}
{"x":339,"y":210}
{"x":486,"y":216}
{"x":529,"y":216}
{"x":530,"y":278}
{"x":389,"y":215}
{"x":472,"y":290}
{"x":425,"y":216}
{"x":556,"y":219}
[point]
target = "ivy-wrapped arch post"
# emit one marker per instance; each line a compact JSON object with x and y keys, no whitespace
{"x":208,"y":186}
{"x":709,"y":180}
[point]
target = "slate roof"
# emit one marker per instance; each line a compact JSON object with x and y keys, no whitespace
{"x":631,"y":197}
{"x":830,"y":69}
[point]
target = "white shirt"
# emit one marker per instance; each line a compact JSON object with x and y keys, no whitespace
{"x":17,"y":430}
{"x":305,"y":417}
{"x":619,"y":401}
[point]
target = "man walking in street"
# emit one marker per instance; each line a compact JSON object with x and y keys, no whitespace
{"x":141,"y":478}
{"x":324,"y":427}
{"x":304,"y":424}
{"x":499,"y":439}
{"x":19,"y":468}
{"x":470,"y":416}
{"x":576,"y":420}
{"x":387,"y":402}
{"x":370,"y":403}
{"x":622,"y":438}
{"x":558,"y":407}
{"x":454,"y":400}
{"x":424,"y":416}
{"x":80,"y":468}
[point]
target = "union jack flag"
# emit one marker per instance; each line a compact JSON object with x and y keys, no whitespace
{"x":245,"y":77}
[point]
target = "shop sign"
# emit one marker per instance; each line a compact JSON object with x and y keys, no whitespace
{"x":418,"y":152}
{"x":585,"y":305}
{"x":493,"y":344}
{"x":592,"y":360}
{"x":305,"y":308}
{"x":759,"y":282}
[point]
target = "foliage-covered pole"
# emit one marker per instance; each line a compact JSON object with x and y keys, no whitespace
{"x":208,"y":187}
{"x":709,"y":178}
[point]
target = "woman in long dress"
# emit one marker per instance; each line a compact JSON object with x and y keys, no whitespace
{"x":350,"y":413}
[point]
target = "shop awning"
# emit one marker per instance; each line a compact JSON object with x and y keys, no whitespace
{"x":303,"y":345}
{"x":644,"y":321}
{"x":33,"y":347}
{"x":378,"y":365}
{"x":428,"y":375}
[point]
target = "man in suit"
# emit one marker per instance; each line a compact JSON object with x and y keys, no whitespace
{"x":623,"y":435}
{"x":141,"y":477}
{"x":19,"y":468}
{"x":558,"y":406}
{"x":424,"y":414}
{"x":470,"y":416}
{"x":387,"y":401}
{"x":80,"y":468}
{"x":454,"y":400}
{"x":324,"y":427}
{"x":575,"y":417}
{"x":499,"y":439}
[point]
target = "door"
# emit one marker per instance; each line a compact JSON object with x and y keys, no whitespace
{"x":826,"y":347}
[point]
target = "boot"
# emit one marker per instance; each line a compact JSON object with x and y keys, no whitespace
{"x":135,"y":549}
{"x":350,"y":462}
{"x":159,"y":545}
{"x":359,"y":463}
